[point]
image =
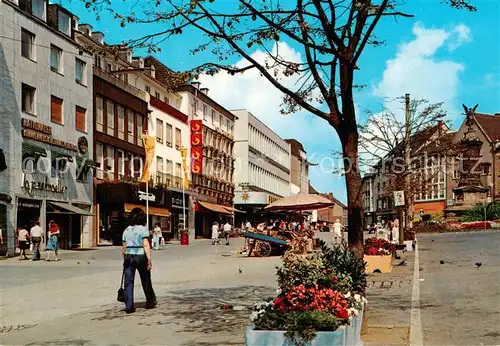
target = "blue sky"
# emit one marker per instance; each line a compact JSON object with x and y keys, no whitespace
{"x":442,"y":54}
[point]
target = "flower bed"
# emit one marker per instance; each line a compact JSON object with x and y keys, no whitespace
{"x":319,"y":301}
{"x":378,"y":255}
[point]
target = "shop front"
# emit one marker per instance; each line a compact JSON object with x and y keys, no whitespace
{"x":178,"y":214}
{"x":114,"y":202}
{"x":253,"y":203}
{"x":206,"y":213}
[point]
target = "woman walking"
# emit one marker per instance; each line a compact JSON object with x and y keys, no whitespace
{"x":23,"y":242}
{"x":53,"y":241}
{"x":136,"y":250}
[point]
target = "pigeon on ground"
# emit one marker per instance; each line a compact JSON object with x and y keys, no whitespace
{"x":478,"y":264}
{"x":442,"y":262}
{"x":240,"y":270}
{"x":402,"y":263}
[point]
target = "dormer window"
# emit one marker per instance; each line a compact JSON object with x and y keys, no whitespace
{"x":38,"y":9}
{"x":63,"y":23}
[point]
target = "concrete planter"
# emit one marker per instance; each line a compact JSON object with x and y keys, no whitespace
{"x":381,"y":263}
{"x":277,"y":338}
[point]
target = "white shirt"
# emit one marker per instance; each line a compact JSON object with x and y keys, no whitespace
{"x":248,"y":225}
{"x":337,"y":228}
{"x":157,"y":231}
{"x":36,"y":231}
{"x":227,"y":227}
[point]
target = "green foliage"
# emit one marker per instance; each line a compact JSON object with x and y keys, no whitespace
{"x":477,"y":213}
{"x":345,"y":263}
{"x":437,"y":217}
{"x":298,"y":269}
{"x":301,"y":327}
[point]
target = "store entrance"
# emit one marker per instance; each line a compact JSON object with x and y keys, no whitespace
{"x":28,"y":212}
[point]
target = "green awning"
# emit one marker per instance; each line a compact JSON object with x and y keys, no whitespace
{"x":32,"y":150}
{"x":71,"y":208}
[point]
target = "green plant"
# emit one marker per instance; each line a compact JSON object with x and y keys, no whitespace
{"x":345,"y":263}
{"x":437,"y":217}
{"x":298,"y":269}
{"x":477,"y":213}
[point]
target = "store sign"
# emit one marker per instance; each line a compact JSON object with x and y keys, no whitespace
{"x":143,"y":196}
{"x":271,"y":199}
{"x":43,"y":133}
{"x":196,"y":127}
{"x":24,"y":203}
{"x":399,"y":198}
{"x":253,"y":197}
{"x":32,"y":186}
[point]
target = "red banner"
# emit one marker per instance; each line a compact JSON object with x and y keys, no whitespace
{"x":196,"y":126}
{"x":196,"y":153}
{"x":197,"y":166}
{"x":196,"y":139}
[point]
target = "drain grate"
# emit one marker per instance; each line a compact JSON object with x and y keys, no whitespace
{"x":7,"y":329}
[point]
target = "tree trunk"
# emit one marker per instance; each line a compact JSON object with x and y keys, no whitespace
{"x":349,"y":140}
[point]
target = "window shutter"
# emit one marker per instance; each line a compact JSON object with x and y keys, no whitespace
{"x":81,"y":119}
{"x":56,"y":109}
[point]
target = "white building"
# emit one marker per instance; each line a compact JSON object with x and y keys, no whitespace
{"x":45,"y":122}
{"x":262,"y":166}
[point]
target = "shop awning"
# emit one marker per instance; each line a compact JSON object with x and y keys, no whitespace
{"x":215,"y":207}
{"x":152,"y":210}
{"x":234,"y":210}
{"x":71,"y":208}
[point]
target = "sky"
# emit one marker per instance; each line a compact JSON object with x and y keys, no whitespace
{"x":441,"y":54}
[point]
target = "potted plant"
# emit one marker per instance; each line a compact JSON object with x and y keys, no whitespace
{"x":378,"y":255}
{"x":318,"y":302}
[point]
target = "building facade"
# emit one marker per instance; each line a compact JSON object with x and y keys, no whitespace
{"x":211,"y":159}
{"x":262,"y":166}
{"x":45,"y":122}
{"x":299,"y":168}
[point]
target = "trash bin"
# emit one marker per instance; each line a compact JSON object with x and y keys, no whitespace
{"x":184,"y":238}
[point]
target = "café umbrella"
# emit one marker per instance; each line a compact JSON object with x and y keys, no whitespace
{"x":302,"y":201}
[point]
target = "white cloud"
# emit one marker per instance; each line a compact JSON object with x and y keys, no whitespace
{"x":416,"y":70}
{"x":461,"y":34}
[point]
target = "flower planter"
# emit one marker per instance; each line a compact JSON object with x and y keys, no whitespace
{"x":277,"y":338}
{"x":381,"y":263}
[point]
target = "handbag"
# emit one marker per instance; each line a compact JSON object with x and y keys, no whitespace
{"x":121,"y":292}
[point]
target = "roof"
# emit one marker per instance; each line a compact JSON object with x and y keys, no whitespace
{"x":438,"y":146}
{"x":329,"y":196}
{"x":490,"y":124}
{"x":163,"y":74}
{"x":295,"y":147}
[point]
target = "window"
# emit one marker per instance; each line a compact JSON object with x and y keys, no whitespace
{"x":110,"y":113}
{"x":99,"y":158}
{"x":130,"y":126}
{"x":80,"y":72}
{"x":213,"y":116}
{"x":159,"y":164}
{"x":63,"y":23}
{"x":178,"y":141}
{"x":169,"y":167}
{"x":27,"y":44}
{"x":147,"y":88}
{"x":165,"y":99}
{"x":38,"y":8}
{"x":121,"y":121}
{"x":205,"y":112}
{"x":159,"y":131}
{"x":55,"y":59}
{"x":99,"y":116}
{"x":81,"y":119}
{"x":56,"y":105}
{"x":110,"y":159}
{"x":140,"y":119}
{"x":157,"y":95}
{"x":28,"y":99}
{"x":108,"y":67}
{"x":121,"y":163}
{"x":178,"y":170}
{"x":169,"y":135}
{"x":220,"y":120}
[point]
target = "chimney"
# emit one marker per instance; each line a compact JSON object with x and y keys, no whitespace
{"x":204,"y":90}
{"x":98,"y":36}
{"x":138,"y":62}
{"x":85,"y":29}
{"x":152,"y":71}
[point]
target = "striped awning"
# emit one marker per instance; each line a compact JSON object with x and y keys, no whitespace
{"x":215,"y":207}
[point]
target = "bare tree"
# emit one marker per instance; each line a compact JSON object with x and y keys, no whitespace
{"x":331,"y":33}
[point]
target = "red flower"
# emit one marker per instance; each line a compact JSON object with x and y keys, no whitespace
{"x":335,"y":279}
{"x":329,"y":270}
{"x":342,"y":313}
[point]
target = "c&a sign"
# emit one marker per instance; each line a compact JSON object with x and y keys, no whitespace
{"x":196,"y":127}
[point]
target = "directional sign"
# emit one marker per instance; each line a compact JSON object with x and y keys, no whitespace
{"x":146,"y":197}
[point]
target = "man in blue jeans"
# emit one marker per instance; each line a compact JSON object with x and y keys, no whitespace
{"x":136,"y":250}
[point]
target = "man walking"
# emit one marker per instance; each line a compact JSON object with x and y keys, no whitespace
{"x":227,"y":230}
{"x":36,"y":237}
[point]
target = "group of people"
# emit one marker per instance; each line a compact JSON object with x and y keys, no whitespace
{"x":388,"y":231}
{"x":218,"y":229}
{"x":36,"y":236}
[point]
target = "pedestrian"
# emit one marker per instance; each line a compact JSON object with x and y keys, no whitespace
{"x":227,"y":230}
{"x":248,"y":226}
{"x":156,"y":236}
{"x":36,"y":238}
{"x":23,"y":242}
{"x":136,"y":250}
{"x":395,"y":231}
{"x":53,"y":241}
{"x":337,"y":231}
{"x":215,"y":233}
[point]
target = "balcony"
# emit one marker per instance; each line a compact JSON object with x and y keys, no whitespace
{"x":108,"y":77}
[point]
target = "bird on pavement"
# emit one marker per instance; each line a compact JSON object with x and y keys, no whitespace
{"x":478,"y":264}
{"x":240,"y":270}
{"x":402,"y":263}
{"x":442,"y":262}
